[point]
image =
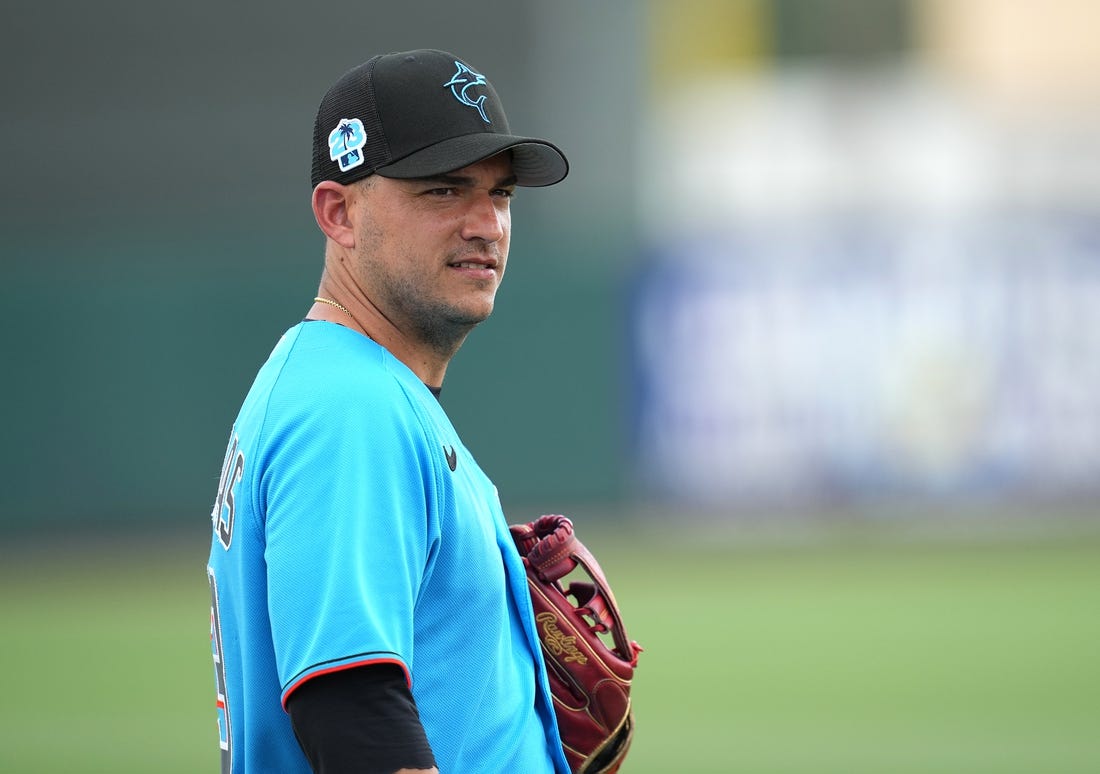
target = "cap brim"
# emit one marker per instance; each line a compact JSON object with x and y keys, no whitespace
{"x":535,"y":162}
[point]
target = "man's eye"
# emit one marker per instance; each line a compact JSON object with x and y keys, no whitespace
{"x":505,"y":192}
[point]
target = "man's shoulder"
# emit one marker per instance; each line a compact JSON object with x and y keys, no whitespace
{"x":319,"y":367}
{"x":321,"y":357}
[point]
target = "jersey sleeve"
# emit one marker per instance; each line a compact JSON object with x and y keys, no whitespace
{"x":347,"y":493}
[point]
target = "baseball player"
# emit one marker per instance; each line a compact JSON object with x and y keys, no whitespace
{"x":370,"y":611}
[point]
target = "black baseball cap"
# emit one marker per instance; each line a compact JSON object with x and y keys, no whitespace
{"x":419,"y":114}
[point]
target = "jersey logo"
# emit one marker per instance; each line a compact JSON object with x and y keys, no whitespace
{"x":345,"y":143}
{"x":461,"y":82}
{"x":452,"y":457}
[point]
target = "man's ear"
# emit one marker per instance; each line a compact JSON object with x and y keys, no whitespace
{"x":330,"y":209}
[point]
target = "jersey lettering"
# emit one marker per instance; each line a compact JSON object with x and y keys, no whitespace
{"x":224,"y":737}
{"x":232,"y":470}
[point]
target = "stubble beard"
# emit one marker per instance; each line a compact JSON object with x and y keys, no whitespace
{"x":435,"y":323}
{"x":440,"y":326}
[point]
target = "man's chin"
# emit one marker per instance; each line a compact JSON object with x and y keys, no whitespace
{"x":474,"y":314}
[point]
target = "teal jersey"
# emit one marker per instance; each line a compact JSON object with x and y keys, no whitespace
{"x":352,"y":527}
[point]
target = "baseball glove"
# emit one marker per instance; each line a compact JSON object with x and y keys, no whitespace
{"x":590,"y":679}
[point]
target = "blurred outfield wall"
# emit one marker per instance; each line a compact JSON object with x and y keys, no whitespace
{"x":156,"y":240}
{"x":749,"y":179}
{"x":873,"y":256}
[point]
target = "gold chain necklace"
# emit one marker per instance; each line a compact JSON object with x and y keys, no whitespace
{"x":330,"y":302}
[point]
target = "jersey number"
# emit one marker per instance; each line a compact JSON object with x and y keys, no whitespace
{"x":224,"y":736}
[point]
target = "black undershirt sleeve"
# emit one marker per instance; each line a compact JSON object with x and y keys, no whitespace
{"x":359,"y":721}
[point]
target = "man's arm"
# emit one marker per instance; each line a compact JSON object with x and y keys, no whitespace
{"x":360,"y":721}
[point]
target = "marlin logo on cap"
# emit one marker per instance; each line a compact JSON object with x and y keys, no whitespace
{"x":462,"y":81}
{"x":345,"y":143}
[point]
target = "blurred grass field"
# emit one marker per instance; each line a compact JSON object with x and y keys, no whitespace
{"x":830,"y":655}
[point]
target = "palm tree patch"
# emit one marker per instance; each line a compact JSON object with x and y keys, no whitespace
{"x":345,"y":143}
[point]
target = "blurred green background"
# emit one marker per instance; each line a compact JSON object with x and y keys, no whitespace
{"x":848,"y":543}
{"x":842,"y":654}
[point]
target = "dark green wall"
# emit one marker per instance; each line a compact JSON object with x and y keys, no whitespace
{"x":127,"y":360}
{"x":156,"y":239}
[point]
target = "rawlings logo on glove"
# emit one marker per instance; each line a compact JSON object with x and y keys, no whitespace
{"x":554,"y":640}
{"x":590,"y":680}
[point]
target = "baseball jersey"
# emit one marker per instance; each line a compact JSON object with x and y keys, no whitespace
{"x":352,"y":527}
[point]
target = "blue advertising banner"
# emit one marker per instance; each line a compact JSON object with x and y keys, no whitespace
{"x":852,"y":360}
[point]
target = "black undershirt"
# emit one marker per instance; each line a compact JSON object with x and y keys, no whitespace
{"x":359,"y":721}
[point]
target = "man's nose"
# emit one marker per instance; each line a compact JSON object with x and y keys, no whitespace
{"x":486,"y":218}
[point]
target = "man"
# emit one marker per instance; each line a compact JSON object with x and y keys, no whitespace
{"x":369,"y":610}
